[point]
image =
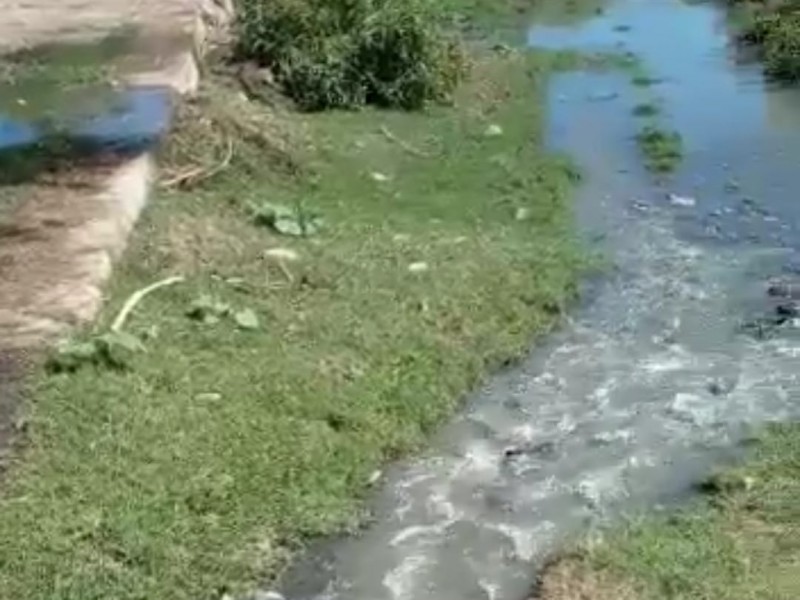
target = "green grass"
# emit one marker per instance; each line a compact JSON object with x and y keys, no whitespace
{"x":662,"y":150}
{"x":646,"y":109}
{"x":199,"y":468}
{"x":740,"y":543}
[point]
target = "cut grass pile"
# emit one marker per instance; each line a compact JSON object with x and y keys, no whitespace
{"x":742,"y":542}
{"x":285,"y":369}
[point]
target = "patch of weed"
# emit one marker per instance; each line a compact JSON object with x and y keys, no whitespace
{"x":646,"y":109}
{"x":663,"y":150}
{"x":774,"y":29}
{"x":643,"y":80}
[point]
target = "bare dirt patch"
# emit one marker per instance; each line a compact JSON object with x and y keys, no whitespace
{"x":58,"y":247}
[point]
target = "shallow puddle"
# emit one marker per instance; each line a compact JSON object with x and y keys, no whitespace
{"x":68,"y":100}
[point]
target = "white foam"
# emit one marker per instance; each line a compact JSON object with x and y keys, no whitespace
{"x":415,"y":532}
{"x":527,"y":541}
{"x":401,"y":580}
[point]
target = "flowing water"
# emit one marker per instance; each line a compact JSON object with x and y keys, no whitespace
{"x":653,"y":381}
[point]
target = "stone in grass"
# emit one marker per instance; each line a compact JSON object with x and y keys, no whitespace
{"x":522,"y":214}
{"x":246,"y":319}
{"x":418,"y":267}
{"x":493,"y":130}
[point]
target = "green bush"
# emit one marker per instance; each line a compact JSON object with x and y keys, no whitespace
{"x":775,"y":30}
{"x":348,"y":53}
{"x":782,"y":48}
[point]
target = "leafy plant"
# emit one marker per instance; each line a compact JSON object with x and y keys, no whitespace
{"x":110,"y":350}
{"x":208,"y":310}
{"x":348,"y":53}
{"x":246,"y":319}
{"x":645,"y":109}
{"x":663,"y":150}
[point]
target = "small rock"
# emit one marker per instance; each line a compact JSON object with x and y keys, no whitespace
{"x":375,"y":477}
{"x":418,"y":267}
{"x":493,"y":130}
{"x":208,"y":397}
{"x":400,"y":238}
{"x":540,"y":450}
{"x":790,"y":310}
{"x":719,"y":387}
{"x":379,"y":177}
{"x":522,"y":214}
{"x":784,"y":289}
{"x":677,"y":200}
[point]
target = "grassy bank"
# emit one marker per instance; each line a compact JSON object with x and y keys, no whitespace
{"x":741,"y":542}
{"x":284,"y":370}
{"x":774,"y":29}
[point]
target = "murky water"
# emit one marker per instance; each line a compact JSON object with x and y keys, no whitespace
{"x":652,"y":382}
{"x":71,"y":93}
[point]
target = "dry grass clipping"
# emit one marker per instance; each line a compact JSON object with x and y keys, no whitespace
{"x":570,"y":578}
{"x":220,"y":128}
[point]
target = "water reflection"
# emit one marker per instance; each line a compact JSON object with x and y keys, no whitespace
{"x":62,"y":100}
